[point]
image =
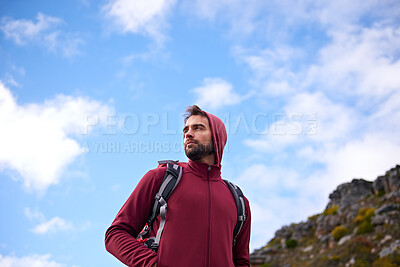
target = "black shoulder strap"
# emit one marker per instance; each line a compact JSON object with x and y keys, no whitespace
{"x":171,"y":179}
{"x":240,"y":206}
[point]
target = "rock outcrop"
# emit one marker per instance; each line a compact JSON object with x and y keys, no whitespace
{"x":359,"y":227}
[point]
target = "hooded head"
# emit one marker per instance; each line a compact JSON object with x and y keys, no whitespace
{"x":214,"y":131}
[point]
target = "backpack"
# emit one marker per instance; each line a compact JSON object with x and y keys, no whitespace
{"x":171,"y":179}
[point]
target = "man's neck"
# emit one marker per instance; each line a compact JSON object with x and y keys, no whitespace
{"x":210,"y":159}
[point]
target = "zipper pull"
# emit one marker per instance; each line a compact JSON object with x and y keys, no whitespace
{"x":209,"y":168}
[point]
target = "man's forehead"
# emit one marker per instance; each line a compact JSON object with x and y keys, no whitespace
{"x":197,"y":119}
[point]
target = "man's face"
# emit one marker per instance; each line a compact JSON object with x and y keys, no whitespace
{"x":197,"y":139}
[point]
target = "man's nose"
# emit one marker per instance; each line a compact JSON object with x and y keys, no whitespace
{"x":189,"y":133}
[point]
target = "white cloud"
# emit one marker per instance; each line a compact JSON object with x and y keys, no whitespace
{"x":22,"y":31}
{"x":271,"y":142}
{"x":365,"y":157}
{"x":9,"y":79}
{"x":279,"y":21}
{"x":276,"y":178}
{"x":262,"y":62}
{"x":85,"y":3}
{"x":31,"y":261}
{"x":357,"y":57}
{"x":335,"y":121}
{"x":34,"y":214}
{"x":358,"y":88}
{"x":307,"y":117}
{"x":36,"y":139}
{"x":216,"y":93}
{"x":44,"y":32}
{"x":273,"y":68}
{"x":361,"y":62}
{"x":341,"y":14}
{"x":240,"y":15}
{"x":386,"y":115}
{"x":349,"y":143}
{"x":55,"y":224}
{"x":139,"y":17}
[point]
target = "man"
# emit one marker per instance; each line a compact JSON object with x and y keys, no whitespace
{"x":202,"y":212}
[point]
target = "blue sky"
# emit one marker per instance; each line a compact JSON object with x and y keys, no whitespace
{"x":92,"y":95}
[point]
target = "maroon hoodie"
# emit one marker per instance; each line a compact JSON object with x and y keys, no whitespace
{"x":201,"y":218}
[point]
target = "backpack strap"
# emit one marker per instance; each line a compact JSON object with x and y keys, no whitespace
{"x":240,"y":206}
{"x":164,"y":162}
{"x":171,"y":179}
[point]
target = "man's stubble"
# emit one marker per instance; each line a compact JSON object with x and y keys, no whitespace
{"x":199,"y":151}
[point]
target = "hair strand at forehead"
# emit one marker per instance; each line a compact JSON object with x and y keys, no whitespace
{"x":193,"y":110}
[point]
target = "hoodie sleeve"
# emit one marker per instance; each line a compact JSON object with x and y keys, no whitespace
{"x":241,"y":250}
{"x":120,"y":238}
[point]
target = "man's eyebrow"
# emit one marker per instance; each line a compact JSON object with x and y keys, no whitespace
{"x":193,"y":125}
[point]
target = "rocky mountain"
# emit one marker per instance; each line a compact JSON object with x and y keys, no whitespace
{"x":359,"y":227}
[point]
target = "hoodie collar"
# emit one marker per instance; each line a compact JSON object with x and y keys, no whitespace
{"x":212,"y":172}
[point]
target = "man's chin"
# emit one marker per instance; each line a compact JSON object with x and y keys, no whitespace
{"x":191,"y":154}
{"x":189,"y":151}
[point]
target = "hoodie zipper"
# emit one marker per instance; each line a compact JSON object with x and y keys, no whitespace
{"x":209,"y":218}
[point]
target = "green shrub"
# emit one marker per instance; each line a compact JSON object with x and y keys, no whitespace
{"x":361,"y":263}
{"x":365,"y":227}
{"x":328,"y":261}
{"x":291,"y":243}
{"x":339,"y":232}
{"x":384,"y":262}
{"x":379,"y":236}
{"x":335,"y":258}
{"x":363,"y":219}
{"x":364,"y":214}
{"x":331,"y":211}
{"x":274,"y":242}
{"x":313,"y":217}
{"x":381,"y":193}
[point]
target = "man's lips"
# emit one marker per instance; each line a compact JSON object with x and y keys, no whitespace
{"x":190,"y":142}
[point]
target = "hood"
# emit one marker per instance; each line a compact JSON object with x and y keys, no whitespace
{"x":219,"y":136}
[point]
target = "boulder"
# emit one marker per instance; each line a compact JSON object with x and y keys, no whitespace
{"x":389,"y":249}
{"x":349,"y":193}
{"x":386,"y":208}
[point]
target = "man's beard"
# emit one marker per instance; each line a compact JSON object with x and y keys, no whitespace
{"x":200,"y":151}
